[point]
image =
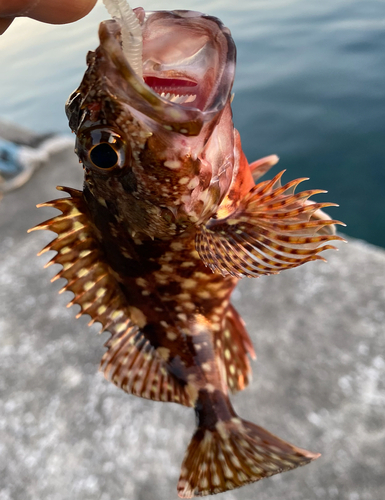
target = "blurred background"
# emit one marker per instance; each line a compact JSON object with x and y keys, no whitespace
{"x":310,"y":87}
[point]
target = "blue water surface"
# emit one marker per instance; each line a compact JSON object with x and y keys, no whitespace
{"x":310,"y":87}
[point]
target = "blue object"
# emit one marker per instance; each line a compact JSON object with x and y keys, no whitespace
{"x":10,"y":165}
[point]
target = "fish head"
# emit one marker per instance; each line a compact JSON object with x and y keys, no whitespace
{"x":166,"y":137}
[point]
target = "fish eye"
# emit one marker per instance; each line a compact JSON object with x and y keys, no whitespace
{"x":104,"y":156}
{"x":102,"y":149}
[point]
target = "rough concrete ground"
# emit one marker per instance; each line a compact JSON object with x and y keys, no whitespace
{"x":67,"y":434}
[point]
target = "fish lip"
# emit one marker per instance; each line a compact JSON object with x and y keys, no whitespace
{"x":184,"y":119}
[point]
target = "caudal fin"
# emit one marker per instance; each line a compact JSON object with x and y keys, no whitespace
{"x":235,"y":453}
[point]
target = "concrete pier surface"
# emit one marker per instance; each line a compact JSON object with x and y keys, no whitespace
{"x":67,"y":434}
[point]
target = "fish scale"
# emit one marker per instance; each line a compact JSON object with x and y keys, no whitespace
{"x":168,"y":220}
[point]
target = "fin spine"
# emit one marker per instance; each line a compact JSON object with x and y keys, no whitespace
{"x":273,"y":229}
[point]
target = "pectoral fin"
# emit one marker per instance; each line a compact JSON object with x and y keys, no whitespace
{"x":321,"y":215}
{"x":272,"y":229}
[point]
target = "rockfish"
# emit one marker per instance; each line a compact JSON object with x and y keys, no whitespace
{"x":168,"y":220}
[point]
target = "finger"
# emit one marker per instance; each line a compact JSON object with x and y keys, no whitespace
{"x":4,"y":23}
{"x":48,"y":11}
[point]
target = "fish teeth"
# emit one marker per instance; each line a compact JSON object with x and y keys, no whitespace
{"x":175,"y":98}
{"x":191,"y":98}
{"x":178,"y":99}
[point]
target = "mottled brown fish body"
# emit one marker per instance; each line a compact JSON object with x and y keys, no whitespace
{"x":180,"y":305}
{"x":169,"y":219}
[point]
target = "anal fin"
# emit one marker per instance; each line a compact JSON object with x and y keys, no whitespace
{"x":133,"y":365}
{"x":234,"y":346}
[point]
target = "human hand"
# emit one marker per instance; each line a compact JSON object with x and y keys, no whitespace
{"x":48,"y":11}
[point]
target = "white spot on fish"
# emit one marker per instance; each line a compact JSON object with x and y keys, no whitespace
{"x":102,"y":309}
{"x":177,"y":246}
{"x":193,"y":183}
{"x":88,"y":285}
{"x":163,"y":352}
{"x":187,"y":264}
{"x":189,"y":283}
{"x":137,"y":316}
{"x":116,"y":314}
{"x":141,"y":282}
{"x":120,"y":327}
{"x":84,"y":253}
{"x":172,"y":163}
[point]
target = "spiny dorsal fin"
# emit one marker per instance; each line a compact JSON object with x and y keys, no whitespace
{"x":130,"y":362}
{"x":262,"y":166}
{"x":87,"y":275}
{"x":271,"y":230}
{"x":233,"y":346}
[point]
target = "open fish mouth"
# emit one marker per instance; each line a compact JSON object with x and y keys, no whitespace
{"x":187,"y":72}
{"x":185,"y":57}
{"x":177,"y":90}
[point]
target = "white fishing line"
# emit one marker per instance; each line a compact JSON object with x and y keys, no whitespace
{"x":132,"y":39}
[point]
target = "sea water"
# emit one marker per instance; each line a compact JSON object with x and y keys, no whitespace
{"x":310,"y":87}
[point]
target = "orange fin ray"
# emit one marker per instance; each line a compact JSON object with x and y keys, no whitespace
{"x":232,"y":454}
{"x":275,"y":195}
{"x":133,"y":365}
{"x":233,"y":346}
{"x":302,"y":212}
{"x":269,"y":232}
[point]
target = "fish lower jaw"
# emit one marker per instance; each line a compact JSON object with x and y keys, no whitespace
{"x":178,"y":98}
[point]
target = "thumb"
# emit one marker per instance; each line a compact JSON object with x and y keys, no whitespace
{"x":48,"y":11}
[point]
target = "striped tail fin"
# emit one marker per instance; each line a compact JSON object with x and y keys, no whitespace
{"x":234,"y":453}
